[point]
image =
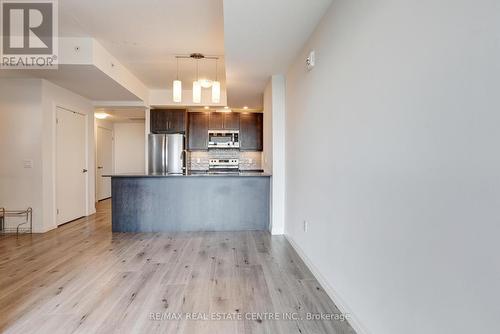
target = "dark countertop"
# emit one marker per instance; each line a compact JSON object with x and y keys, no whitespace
{"x":193,"y":174}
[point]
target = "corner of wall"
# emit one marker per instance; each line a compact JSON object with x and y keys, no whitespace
{"x":278,"y":153}
{"x":332,"y":293}
{"x":108,"y":64}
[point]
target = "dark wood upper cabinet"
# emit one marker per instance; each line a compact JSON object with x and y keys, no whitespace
{"x":216,"y":121}
{"x":198,"y":131}
{"x":250,"y":125}
{"x":168,"y":121}
{"x":224,"y":121}
{"x":251,"y":132}
{"x":231,"y":121}
{"x":158,"y":121}
{"x":178,"y":121}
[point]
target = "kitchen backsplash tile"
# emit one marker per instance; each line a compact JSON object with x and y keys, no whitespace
{"x":250,"y":160}
{"x":198,"y":160}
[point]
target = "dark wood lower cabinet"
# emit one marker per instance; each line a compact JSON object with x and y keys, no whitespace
{"x":198,"y":131}
{"x":251,"y":131}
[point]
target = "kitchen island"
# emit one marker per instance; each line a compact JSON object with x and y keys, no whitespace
{"x":193,"y":202}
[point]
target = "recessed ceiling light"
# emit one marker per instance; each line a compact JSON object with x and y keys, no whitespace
{"x":245,"y":107}
{"x":101,"y":115}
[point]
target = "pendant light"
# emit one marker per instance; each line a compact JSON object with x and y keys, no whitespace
{"x":205,"y":83}
{"x":177,"y":90}
{"x":196,"y":87}
{"x":216,"y":85}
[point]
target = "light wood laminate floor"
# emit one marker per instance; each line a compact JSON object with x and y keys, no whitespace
{"x":81,"y":278}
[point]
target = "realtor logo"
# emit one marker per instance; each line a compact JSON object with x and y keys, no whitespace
{"x":29,"y":34}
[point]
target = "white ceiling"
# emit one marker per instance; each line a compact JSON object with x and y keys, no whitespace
{"x":86,"y":80}
{"x":124,"y":115}
{"x":146,"y":35}
{"x":262,"y":37}
{"x":254,"y":38}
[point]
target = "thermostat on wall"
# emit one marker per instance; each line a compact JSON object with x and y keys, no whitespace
{"x":311,"y":60}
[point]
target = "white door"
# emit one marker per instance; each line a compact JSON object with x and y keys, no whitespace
{"x":70,"y":166}
{"x":104,"y":162}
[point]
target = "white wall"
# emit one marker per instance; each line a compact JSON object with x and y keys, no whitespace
{"x":104,"y":123}
{"x":392,"y":158}
{"x":27,"y":131}
{"x":273,"y":155}
{"x":147,"y":131}
{"x":267,"y":152}
{"x":129,"y":147}
{"x":20,"y":140}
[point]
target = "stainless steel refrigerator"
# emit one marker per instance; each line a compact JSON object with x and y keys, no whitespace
{"x":166,"y":154}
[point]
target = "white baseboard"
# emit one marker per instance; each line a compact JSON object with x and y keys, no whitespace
{"x":44,"y":229}
{"x":338,"y":301}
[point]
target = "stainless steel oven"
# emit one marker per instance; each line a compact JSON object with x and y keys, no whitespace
{"x":224,"y":166}
{"x":223,"y":139}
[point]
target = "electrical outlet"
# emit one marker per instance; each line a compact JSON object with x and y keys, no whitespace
{"x":311,"y":60}
{"x":250,"y":160}
{"x":306,"y":226}
{"x":28,"y":163}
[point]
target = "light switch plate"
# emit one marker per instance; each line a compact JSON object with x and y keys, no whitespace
{"x":28,"y":163}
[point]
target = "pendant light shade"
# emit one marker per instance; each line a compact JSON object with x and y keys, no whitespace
{"x":177,"y":93}
{"x":199,"y":83}
{"x":177,"y":86}
{"x":205,"y":83}
{"x":216,"y":85}
{"x":196,"y":87}
{"x":216,"y":92}
{"x":196,"y":92}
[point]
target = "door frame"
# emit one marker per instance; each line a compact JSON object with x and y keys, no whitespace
{"x":54,"y":159}
{"x":97,"y":127}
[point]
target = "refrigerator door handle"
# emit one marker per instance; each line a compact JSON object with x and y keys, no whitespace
{"x":184,"y":160}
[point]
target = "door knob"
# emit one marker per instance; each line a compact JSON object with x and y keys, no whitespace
{"x":85,"y":171}
{"x":100,"y":167}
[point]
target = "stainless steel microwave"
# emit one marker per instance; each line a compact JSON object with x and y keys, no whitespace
{"x":223,"y":139}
